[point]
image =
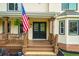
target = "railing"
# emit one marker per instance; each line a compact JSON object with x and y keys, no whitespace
{"x":55,"y":44}
{"x":50,"y":37}
{"x":15,"y":38}
{"x":53,"y":39}
{"x":11,"y":38}
{"x":2,"y":39}
{"x":25,"y":41}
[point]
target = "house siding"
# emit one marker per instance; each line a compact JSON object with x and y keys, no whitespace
{"x":36,"y":7}
{"x":3,"y":7}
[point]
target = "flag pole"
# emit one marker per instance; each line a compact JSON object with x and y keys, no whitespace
{"x":25,"y":21}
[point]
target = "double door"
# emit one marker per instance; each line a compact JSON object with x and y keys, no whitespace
{"x":39,"y":30}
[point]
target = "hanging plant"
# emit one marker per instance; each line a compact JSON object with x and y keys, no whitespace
{"x":17,"y":22}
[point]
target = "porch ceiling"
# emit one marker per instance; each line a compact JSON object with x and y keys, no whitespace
{"x":35,"y":15}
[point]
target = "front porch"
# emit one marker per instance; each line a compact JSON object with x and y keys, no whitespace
{"x":14,"y":43}
{"x":37,"y":40}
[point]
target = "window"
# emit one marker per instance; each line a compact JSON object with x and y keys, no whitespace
{"x":65,"y":6}
{"x":13,"y":6}
{"x":69,"y":6}
{"x":62,"y":27}
{"x":73,"y":27}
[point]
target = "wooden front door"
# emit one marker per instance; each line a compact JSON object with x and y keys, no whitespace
{"x":39,"y":30}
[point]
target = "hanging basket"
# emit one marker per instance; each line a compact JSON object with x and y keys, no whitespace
{"x":17,"y":22}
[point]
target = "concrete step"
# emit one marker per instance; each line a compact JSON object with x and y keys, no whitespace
{"x":39,"y":46}
{"x":34,"y":53}
{"x":39,"y":49}
{"x":38,"y":42}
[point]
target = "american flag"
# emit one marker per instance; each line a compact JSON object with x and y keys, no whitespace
{"x":25,"y":20}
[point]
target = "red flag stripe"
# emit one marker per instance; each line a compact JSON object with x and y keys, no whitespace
{"x":25,"y":18}
{"x":25,"y":22}
{"x":24,"y":25}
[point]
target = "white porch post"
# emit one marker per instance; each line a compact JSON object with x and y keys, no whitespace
{"x":66,"y":29}
{"x":50,"y":31}
{"x":52,"y":25}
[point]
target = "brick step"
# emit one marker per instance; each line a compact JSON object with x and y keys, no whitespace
{"x":39,"y":49}
{"x":34,"y":53}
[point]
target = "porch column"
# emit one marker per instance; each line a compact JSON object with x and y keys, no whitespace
{"x":1,"y":20}
{"x":52,"y":25}
{"x":6,"y":24}
{"x":6,"y":27}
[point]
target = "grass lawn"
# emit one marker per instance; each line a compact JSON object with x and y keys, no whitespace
{"x":71,"y":54}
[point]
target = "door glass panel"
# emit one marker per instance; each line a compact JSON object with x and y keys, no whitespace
{"x":42,"y":27}
{"x":36,"y":26}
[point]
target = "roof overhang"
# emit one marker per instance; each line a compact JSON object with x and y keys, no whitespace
{"x":68,"y":16}
{"x":35,"y":15}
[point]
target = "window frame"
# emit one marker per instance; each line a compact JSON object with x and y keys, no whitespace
{"x":14,"y":7}
{"x":72,"y":6}
{"x":62,"y":7}
{"x":68,"y":6}
{"x":62,"y":27}
{"x":77,"y":21}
